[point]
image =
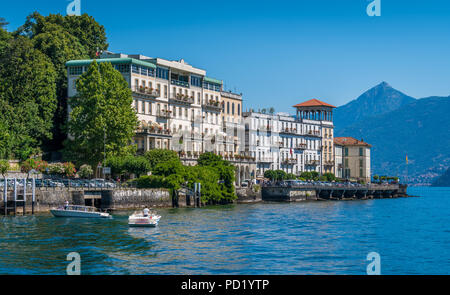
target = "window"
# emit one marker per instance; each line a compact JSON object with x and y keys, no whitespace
{"x":123,"y":68}
{"x":75,"y":71}
{"x":135,"y":69}
{"x":165,"y":90}
{"x":239,"y":109}
{"x":144,"y":71}
{"x":162,"y":73}
{"x":232,"y":109}
{"x":346,"y":152}
{"x":228,"y":107}
{"x":361,"y":152}
{"x":360,"y":163}
{"x":196,"y":81}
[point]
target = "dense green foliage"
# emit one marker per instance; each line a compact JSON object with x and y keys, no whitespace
{"x":102,"y":118}
{"x":4,"y":167}
{"x":215,"y":175}
{"x":312,"y":175}
{"x":33,"y":79}
{"x":275,"y":175}
{"x":127,"y":165}
{"x":157,"y":156}
{"x":27,"y":98}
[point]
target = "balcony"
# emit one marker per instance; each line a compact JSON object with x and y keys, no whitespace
{"x":328,"y":163}
{"x":267,"y":129}
{"x":238,"y":158}
{"x":181,"y":99}
{"x":301,"y":146}
{"x":213,"y":105}
{"x":264,"y":160}
{"x":292,"y":131}
{"x":313,"y":133}
{"x":312,"y":163}
{"x":154,"y":131}
{"x":180,"y":83}
{"x":291,"y":161}
{"x":164,"y":114}
{"x":146,"y":92}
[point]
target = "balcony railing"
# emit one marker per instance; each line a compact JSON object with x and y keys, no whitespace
{"x":182,"y":98}
{"x":313,"y":133}
{"x":290,"y":161}
{"x":289,"y":131}
{"x":329,"y":163}
{"x":180,"y":83}
{"x":301,"y":146}
{"x":150,"y":92}
{"x":214,"y":105}
{"x":165,"y":114}
{"x":154,"y":130}
{"x":312,"y":162}
{"x":264,"y":160}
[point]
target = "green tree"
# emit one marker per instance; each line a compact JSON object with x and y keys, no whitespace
{"x":329,"y":176}
{"x":270,"y":174}
{"x":27,"y":97}
{"x":60,"y":46}
{"x":85,"y":28}
{"x":63,"y":38}
{"x":102,"y":116}
{"x":290,"y":176}
{"x":157,"y":156}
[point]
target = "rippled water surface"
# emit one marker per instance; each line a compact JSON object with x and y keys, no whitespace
{"x":412,"y":236}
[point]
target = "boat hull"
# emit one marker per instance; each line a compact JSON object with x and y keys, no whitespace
{"x":140,"y":221}
{"x":78,"y":214}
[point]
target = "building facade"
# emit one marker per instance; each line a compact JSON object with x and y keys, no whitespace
{"x":355,"y":159}
{"x":179,"y":108}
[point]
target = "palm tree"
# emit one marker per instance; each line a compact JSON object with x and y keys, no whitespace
{"x":271,"y":111}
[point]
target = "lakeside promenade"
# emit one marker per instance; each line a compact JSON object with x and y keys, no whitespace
{"x":43,"y":198}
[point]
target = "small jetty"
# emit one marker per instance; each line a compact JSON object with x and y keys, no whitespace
{"x":332,"y":192}
{"x":16,"y":194}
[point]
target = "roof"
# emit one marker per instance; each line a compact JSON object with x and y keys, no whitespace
{"x":314,"y":103}
{"x":347,"y":141}
{"x":212,"y":80}
{"x":114,"y":61}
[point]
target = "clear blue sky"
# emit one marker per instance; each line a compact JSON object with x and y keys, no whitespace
{"x":279,"y":53}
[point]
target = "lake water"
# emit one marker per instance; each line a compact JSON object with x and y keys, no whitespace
{"x":412,"y":236}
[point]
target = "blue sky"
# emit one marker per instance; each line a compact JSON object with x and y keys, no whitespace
{"x":279,"y":53}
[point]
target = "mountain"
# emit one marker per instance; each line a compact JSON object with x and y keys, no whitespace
{"x":419,"y":129}
{"x":443,"y":180}
{"x":378,"y":100}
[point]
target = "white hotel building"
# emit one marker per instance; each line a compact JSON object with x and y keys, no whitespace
{"x":178,"y":106}
{"x":293,"y":144}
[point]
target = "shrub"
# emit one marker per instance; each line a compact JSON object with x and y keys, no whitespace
{"x":85,"y":171}
{"x":4,"y":167}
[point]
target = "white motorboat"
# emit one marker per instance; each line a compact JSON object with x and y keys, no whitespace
{"x":139,"y":220}
{"x":79,"y":212}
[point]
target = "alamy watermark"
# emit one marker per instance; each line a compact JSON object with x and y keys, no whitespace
{"x":374,"y":267}
{"x":74,"y":267}
{"x":374,"y":8}
{"x":74,"y":8}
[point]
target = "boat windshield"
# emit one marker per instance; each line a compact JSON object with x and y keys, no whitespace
{"x":80,"y":208}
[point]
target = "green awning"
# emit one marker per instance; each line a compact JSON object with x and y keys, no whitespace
{"x":212,"y":80}
{"x":114,"y":61}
